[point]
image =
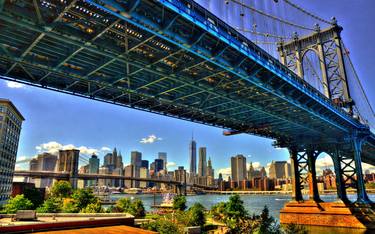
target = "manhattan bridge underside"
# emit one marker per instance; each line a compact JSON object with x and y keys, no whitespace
{"x":173,"y":58}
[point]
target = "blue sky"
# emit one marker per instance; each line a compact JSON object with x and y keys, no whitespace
{"x":94,"y":126}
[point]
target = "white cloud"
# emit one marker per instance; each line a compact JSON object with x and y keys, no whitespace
{"x":225,"y":172}
{"x":150,"y":139}
{"x":15,"y":85}
{"x":105,"y":149}
{"x":24,"y":159}
{"x":171,"y":165}
{"x":53,"y":147}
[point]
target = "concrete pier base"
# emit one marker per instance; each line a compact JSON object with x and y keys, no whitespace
{"x":332,"y":214}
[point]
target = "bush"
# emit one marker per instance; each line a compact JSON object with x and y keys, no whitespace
{"x":218,"y":211}
{"x":267,"y":223}
{"x":83,"y":197}
{"x":70,"y":206}
{"x":134,"y":208}
{"x":234,"y":208}
{"x":61,"y":189}
{"x":179,"y":202}
{"x":161,"y":226}
{"x":93,"y":208}
{"x":34,"y":196}
{"x":51,"y":205}
{"x":196,"y":215}
{"x":16,"y":203}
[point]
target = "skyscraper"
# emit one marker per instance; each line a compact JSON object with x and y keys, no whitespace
{"x":44,"y":162}
{"x":10,"y":129}
{"x":210,"y":173}
{"x":145,"y":164}
{"x":279,"y":170}
{"x":163,"y":156}
{"x":238,"y":167}
{"x":202,"y":163}
{"x":93,"y":168}
{"x":159,"y":164}
{"x":136,"y":161}
{"x":193,"y":158}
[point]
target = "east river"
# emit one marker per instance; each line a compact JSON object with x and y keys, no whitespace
{"x":253,"y":203}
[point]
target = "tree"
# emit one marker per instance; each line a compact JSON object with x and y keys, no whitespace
{"x":51,"y":205}
{"x":19,"y":202}
{"x":134,"y":208}
{"x":137,"y":208}
{"x":84,"y":197}
{"x":218,"y":211}
{"x":179,"y":202}
{"x":61,"y":189}
{"x":267,"y":223}
{"x":34,"y":196}
{"x":93,"y":208}
{"x":235,"y":208}
{"x":70,"y":206}
{"x":196,"y":215}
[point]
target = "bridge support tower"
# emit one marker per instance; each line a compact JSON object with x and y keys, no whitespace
{"x":348,"y":170}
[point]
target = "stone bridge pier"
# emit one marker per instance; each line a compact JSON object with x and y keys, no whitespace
{"x":348,"y":168}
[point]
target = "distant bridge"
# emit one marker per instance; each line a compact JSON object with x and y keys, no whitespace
{"x":85,"y":176}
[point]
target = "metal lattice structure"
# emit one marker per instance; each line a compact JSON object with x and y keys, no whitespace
{"x":175,"y":58}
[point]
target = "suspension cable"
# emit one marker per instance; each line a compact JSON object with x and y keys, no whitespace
{"x":306,"y":12}
{"x":272,"y":16}
{"x":262,"y":33}
{"x":357,"y":78}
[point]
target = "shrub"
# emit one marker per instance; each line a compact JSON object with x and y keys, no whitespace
{"x":51,"y":205}
{"x":34,"y":196}
{"x":84,"y":197}
{"x":161,"y":226}
{"x":267,"y":223}
{"x":179,"y":202}
{"x":218,"y":211}
{"x":196,"y":215}
{"x":93,"y":208}
{"x":69,"y":206}
{"x":234,"y":208}
{"x":19,"y":202}
{"x":134,"y":208}
{"x":61,"y":189}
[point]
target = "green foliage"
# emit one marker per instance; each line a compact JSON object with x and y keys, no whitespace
{"x":235,"y":208}
{"x":70,"y":206}
{"x":179,"y":202}
{"x":162,"y":226}
{"x":134,"y":208}
{"x":294,"y":229}
{"x":61,"y":189}
{"x":218,"y":211}
{"x":83,"y":197}
{"x":16,"y":203}
{"x":93,"y":208}
{"x":196,"y":215}
{"x":51,"y":205}
{"x":34,"y":196}
{"x":267,"y":223}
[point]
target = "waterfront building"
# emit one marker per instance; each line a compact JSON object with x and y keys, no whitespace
{"x":104,"y":170}
{"x":238,"y":168}
{"x":144,"y":173}
{"x":136,"y":161}
{"x":94,"y":162}
{"x":279,"y":170}
{"x":202,"y":163}
{"x":192,"y":158}
{"x":180,"y":174}
{"x":158,"y":164}
{"x":10,"y":128}
{"x":144,"y":164}
{"x":163,"y":156}
{"x":210,"y":173}
{"x":129,"y":172}
{"x":118,"y":182}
